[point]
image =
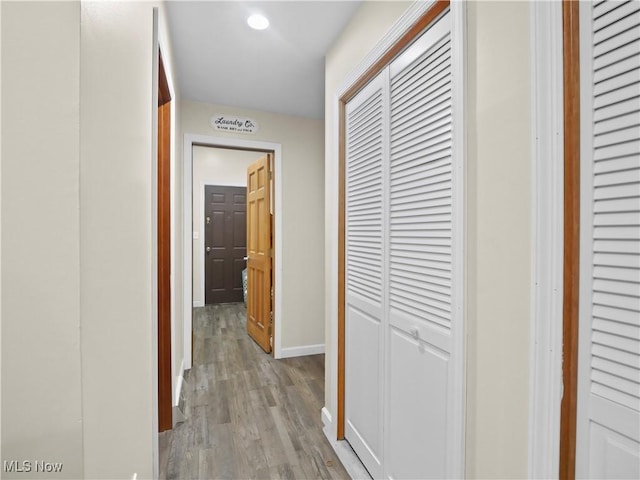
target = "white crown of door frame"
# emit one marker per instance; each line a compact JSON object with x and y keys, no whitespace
{"x":187,"y":217}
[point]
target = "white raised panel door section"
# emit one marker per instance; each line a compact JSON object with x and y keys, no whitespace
{"x":364,"y":332}
{"x":608,"y":415}
{"x":420,"y":258}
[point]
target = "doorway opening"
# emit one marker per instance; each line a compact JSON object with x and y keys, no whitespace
{"x":195,"y":223}
{"x":232,"y":230}
{"x":219,"y":223}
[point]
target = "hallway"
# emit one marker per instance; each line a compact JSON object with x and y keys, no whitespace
{"x":248,"y":416}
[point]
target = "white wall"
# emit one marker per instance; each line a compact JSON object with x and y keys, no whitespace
{"x":499,"y":220}
{"x":302,"y":320}
{"x":79,"y":268}
{"x":41,"y":374}
{"x":213,"y":166}
{"x":118,"y":247}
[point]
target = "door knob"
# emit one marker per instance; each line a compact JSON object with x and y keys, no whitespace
{"x":208,"y":249}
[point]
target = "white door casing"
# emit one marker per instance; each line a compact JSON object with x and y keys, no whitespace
{"x":608,"y":411}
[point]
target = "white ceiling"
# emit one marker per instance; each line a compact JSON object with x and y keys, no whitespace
{"x":220,"y":59}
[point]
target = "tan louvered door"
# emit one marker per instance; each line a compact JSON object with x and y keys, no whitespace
{"x":259,"y":252}
{"x":608,"y":415}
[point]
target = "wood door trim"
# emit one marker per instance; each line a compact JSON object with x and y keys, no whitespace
{"x":571,"y":261}
{"x":165,"y":390}
{"x":411,"y":34}
{"x":164,"y":94}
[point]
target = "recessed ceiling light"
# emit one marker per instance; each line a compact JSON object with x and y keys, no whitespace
{"x":258,"y":22}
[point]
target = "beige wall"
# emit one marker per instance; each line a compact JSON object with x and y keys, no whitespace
{"x":78,"y":309}
{"x":302,"y":211}
{"x":499,"y":239}
{"x":499,"y":219}
{"x":41,"y":374}
{"x":213,"y":166}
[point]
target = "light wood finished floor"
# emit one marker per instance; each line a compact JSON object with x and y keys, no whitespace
{"x":248,"y":416}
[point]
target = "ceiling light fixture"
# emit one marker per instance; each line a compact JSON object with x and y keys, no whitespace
{"x":258,"y":21}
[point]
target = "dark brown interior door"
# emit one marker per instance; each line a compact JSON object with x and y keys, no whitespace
{"x":225,"y":243}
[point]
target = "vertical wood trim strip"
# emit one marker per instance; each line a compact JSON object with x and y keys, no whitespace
{"x":165,"y":394}
{"x":411,"y":34}
{"x":571,"y":280}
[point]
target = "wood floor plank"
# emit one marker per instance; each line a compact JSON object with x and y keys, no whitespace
{"x":249,"y":416}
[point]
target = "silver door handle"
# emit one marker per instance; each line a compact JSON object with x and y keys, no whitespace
{"x":208,"y":249}
{"x":246,"y":258}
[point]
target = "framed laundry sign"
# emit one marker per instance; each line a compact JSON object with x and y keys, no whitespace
{"x":233,"y":124}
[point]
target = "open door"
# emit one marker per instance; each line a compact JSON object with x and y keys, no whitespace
{"x":165,"y":398}
{"x":259,"y":252}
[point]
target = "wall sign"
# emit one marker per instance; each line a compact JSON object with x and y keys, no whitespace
{"x":228,"y":123}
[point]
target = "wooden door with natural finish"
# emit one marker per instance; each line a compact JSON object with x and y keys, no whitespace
{"x":165,"y":399}
{"x":225,"y":238}
{"x":259,"y":252}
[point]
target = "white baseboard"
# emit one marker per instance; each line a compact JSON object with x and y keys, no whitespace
{"x":345,"y":453}
{"x":179,"y":380}
{"x":301,"y":351}
{"x":198,"y":303}
{"x":177,"y":415}
{"x":326,"y":417}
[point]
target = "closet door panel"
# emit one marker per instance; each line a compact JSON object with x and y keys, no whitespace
{"x":608,"y":412}
{"x":417,"y":426}
{"x":420,"y":260}
{"x":365,"y":151}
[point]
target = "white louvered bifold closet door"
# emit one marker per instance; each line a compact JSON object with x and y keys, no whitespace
{"x":420,"y":257}
{"x":364,"y":276}
{"x":608,"y":429}
{"x":402,"y":398}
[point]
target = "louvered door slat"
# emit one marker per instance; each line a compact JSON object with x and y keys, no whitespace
{"x":617,"y":164}
{"x":610,"y":246}
{"x":602,"y":7}
{"x":614,"y":368}
{"x":616,"y":21}
{"x":617,"y":41}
